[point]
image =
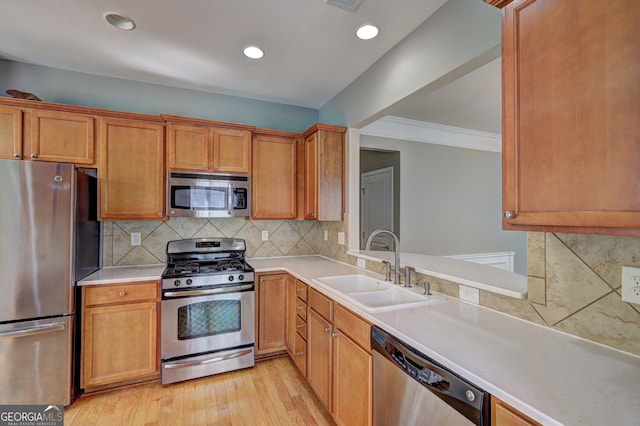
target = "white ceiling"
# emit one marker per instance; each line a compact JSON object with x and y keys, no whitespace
{"x":311,"y":52}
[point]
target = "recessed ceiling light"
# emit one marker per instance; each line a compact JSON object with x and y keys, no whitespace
{"x":253,"y":52}
{"x":367,"y":32}
{"x":119,"y":21}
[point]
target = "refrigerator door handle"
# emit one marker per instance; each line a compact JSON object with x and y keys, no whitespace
{"x":31,"y":331}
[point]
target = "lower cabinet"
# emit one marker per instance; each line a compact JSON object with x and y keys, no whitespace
{"x":271,"y":291}
{"x":502,"y":414}
{"x":296,"y":327}
{"x":119,"y":334}
{"x":339,"y":362}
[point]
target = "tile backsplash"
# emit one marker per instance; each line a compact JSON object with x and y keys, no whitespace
{"x":574,"y":280}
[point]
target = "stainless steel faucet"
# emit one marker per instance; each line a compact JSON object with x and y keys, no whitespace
{"x":397,"y":252}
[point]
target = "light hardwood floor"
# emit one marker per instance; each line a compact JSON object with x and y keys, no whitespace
{"x":271,"y":393}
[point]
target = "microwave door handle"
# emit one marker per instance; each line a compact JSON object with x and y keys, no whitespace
{"x":230,"y":200}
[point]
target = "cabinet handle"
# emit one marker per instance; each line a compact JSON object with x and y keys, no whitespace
{"x":299,"y":326}
{"x":327,"y":329}
{"x":122,"y":293}
{"x":34,"y":155}
{"x":16,"y":155}
{"x":300,"y":290}
{"x":509,"y":214}
{"x":299,"y":353}
{"x":299,"y":308}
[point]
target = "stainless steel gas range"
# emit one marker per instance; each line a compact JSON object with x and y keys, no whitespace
{"x":207,"y":309}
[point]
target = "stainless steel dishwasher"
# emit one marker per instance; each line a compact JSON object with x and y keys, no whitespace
{"x":409,"y":388}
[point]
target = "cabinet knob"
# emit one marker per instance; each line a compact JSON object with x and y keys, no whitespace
{"x":16,"y":155}
{"x":334,"y":334}
{"x":300,"y":289}
{"x":34,"y":155}
{"x":327,"y":329}
{"x":122,"y":293}
{"x":509,"y":214}
{"x":299,"y":326}
{"x":299,"y":308}
{"x":299,"y":353}
{"x":153,"y":307}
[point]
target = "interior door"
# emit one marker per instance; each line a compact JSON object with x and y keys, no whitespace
{"x":376,"y":207}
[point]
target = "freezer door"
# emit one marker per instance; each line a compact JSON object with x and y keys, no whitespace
{"x":36,"y":232}
{"x":36,"y":362}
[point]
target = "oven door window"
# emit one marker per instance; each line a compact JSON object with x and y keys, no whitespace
{"x":199,"y":198}
{"x":208,"y":318}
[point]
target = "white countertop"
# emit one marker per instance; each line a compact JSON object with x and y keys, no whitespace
{"x":553,"y":377}
{"x":120,"y":274}
{"x":472,"y":274}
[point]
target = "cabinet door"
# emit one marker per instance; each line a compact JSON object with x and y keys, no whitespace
{"x":319,"y":353}
{"x":272,"y":296}
{"x":131,"y":175}
{"x":231,"y":150}
{"x":503,"y":414}
{"x":311,"y":177}
{"x":10,"y":133}
{"x":274,"y":177}
{"x":119,"y":343}
{"x":351,"y":382}
{"x":291,"y":316}
{"x":571,"y":116}
{"x":187,"y":147}
{"x":62,"y":137}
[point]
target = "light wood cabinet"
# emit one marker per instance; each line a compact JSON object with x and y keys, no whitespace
{"x":271,"y":312}
{"x":339,"y":361}
{"x":323,"y":171}
{"x":502,"y":414}
{"x":119,"y":334}
{"x":10,"y":132}
{"x":297,"y":323}
{"x":571,"y":116}
{"x":47,"y":135}
{"x":274,"y":175}
{"x":203,"y":145}
{"x":131,"y":172}
{"x":62,"y":137}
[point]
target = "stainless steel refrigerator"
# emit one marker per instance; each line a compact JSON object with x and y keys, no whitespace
{"x":49,"y":239}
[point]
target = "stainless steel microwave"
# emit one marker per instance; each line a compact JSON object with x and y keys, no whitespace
{"x":194,"y":194}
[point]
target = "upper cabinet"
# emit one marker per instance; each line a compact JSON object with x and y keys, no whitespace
{"x":131,"y":173}
{"x":274,"y":175}
{"x":571,"y":116}
{"x":203,"y":145}
{"x":46,"y":134}
{"x":323,"y":171}
{"x":10,"y":132}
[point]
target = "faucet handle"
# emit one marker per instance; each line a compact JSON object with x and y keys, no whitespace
{"x":387,"y":270}
{"x":407,"y":275}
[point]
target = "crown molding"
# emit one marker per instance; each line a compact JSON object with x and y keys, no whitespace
{"x":422,"y":131}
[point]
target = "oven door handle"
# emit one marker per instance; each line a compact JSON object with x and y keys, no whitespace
{"x":186,"y":364}
{"x":205,"y":292}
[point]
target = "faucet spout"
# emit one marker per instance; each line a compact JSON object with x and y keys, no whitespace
{"x":396,"y":247}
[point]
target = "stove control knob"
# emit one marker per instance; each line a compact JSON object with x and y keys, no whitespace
{"x":241,"y":277}
{"x":231,"y":277}
{"x":176,"y":283}
{"x":189,"y":281}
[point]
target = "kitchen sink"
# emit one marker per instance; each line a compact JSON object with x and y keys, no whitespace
{"x":375,"y":295}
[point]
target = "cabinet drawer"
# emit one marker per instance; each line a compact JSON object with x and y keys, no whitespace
{"x":353,"y":326}
{"x":300,"y":354}
{"x":301,"y":290}
{"x":301,"y":309}
{"x":301,"y":327}
{"x":321,"y":304}
{"x":123,"y":293}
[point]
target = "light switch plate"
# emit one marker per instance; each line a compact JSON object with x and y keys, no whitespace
{"x":469,"y":294}
{"x":326,"y":235}
{"x":135,"y":239}
{"x":341,"y":238}
{"x":265,"y":235}
{"x":631,"y":284}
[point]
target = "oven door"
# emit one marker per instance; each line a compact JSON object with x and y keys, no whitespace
{"x":207,"y":320}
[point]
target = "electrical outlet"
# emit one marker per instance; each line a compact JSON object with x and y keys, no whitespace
{"x":362,"y":263}
{"x":135,"y":239}
{"x":341,"y":238}
{"x":326,"y":235}
{"x":265,"y":235}
{"x":469,"y":294}
{"x":631,"y":284}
